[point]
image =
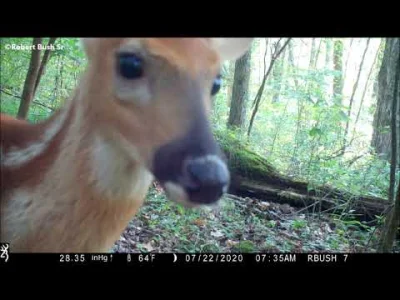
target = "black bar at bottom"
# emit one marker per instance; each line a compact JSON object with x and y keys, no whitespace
{"x":257,"y":260}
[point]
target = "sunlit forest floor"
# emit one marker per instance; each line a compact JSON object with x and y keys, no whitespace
{"x":240,"y":225}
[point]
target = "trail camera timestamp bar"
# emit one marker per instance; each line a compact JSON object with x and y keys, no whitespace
{"x":258,"y":259}
{"x":132,"y":260}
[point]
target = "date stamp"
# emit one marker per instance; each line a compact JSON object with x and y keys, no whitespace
{"x":213,"y":258}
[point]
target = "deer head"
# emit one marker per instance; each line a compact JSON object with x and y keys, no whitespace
{"x":150,"y":99}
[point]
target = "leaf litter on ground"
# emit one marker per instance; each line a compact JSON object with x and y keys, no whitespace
{"x":237,"y":225}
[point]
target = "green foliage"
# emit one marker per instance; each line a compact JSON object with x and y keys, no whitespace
{"x":301,"y":135}
{"x":298,"y":224}
{"x":238,"y":226}
{"x":57,"y":83}
{"x":245,"y":247}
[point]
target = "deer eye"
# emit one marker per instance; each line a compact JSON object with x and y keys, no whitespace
{"x":129,"y":65}
{"x":216,"y":85}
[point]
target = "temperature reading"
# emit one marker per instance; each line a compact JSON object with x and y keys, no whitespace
{"x":146,"y":257}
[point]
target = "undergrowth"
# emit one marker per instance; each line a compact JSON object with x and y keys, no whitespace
{"x":240,"y":225}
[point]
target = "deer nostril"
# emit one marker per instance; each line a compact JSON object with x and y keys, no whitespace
{"x":207,"y":171}
{"x":197,"y":172}
{"x":205,"y":178}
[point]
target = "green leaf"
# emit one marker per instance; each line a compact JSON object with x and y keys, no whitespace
{"x":315,"y":131}
{"x":180,"y":209}
{"x":246,"y":246}
{"x":343,"y":116}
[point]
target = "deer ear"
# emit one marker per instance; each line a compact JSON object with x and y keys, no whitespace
{"x":232,"y":48}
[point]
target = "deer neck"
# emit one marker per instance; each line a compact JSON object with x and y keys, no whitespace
{"x":78,"y":188}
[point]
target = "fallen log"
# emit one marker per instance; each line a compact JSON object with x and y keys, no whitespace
{"x":361,"y":208}
{"x":253,"y":176}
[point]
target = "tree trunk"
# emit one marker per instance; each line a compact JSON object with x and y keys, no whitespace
{"x":257,"y":99}
{"x":29,"y":86}
{"x":328,"y":53}
{"x":312,"y":55}
{"x":315,"y":62}
{"x":352,"y":95}
{"x":292,"y":65}
{"x":347,"y":59}
{"x":45,"y":59}
{"x":381,"y":139}
{"x":328,"y":60}
{"x":229,"y":82}
{"x":337,"y":65}
{"x":240,"y":91}
{"x":293,"y":166}
{"x":391,"y":226}
{"x":365,"y":91}
{"x":277,"y":78}
{"x":393,"y":218}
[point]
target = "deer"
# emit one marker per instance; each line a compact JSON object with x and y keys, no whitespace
{"x":139,"y":113}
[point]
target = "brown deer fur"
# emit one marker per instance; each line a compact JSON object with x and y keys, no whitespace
{"x":74,"y":181}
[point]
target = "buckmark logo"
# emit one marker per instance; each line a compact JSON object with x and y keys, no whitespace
{"x":4,"y":251}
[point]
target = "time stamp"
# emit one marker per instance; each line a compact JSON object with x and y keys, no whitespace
{"x":259,"y":258}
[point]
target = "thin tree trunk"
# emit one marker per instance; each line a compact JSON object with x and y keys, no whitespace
{"x":312,"y":55}
{"x":282,"y":85}
{"x":347,"y":59}
{"x":228,"y":80}
{"x":365,"y":91}
{"x":292,"y":169}
{"x":261,"y":88}
{"x":293,"y":65}
{"x":265,"y":59}
{"x":257,"y":99}
{"x":353,"y":93}
{"x":278,"y":128}
{"x":277,"y":75}
{"x":29,"y":86}
{"x":328,"y":44}
{"x":292,"y":165}
{"x":317,"y":54}
{"x":328,"y":57}
{"x":338,"y":67}
{"x":56,"y":81}
{"x":45,"y":59}
{"x":261,"y":72}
